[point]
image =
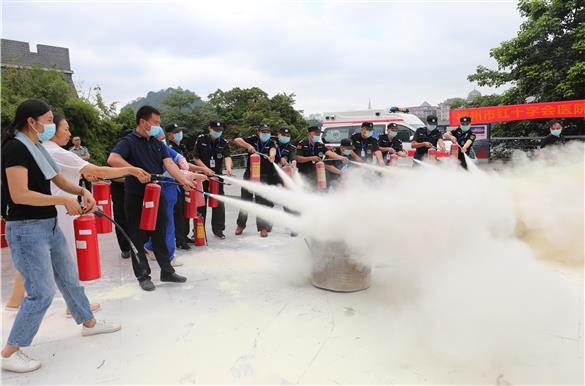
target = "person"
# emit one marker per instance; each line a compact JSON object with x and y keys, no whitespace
{"x":389,"y":143}
{"x":554,"y":138}
{"x":118,"y":205}
{"x":83,"y":153}
{"x":426,"y":138}
{"x":263,"y":144}
{"x":140,"y":149}
{"x":174,"y":141}
{"x":211,"y":152}
{"x":335,"y":170}
{"x":72,"y":166}
{"x":366,"y":146}
{"x":286,"y":155}
{"x":312,"y":150}
{"x":464,"y":137}
{"x":38,"y":247}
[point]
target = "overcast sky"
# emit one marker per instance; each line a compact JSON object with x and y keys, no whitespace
{"x":334,"y":55}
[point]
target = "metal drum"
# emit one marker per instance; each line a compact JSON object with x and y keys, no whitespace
{"x":334,"y":269}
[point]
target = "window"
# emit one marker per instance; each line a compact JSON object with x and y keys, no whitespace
{"x":337,"y":133}
{"x":404,"y":133}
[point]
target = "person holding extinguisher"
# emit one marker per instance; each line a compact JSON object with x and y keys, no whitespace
{"x":141,"y":149}
{"x":260,"y":143}
{"x":39,"y":248}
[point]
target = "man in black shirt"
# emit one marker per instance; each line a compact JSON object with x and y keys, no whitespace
{"x":426,"y":138}
{"x":464,"y":137}
{"x":286,"y":153}
{"x":366,"y":146}
{"x":336,"y":169}
{"x":211,"y":151}
{"x":260,"y":143}
{"x":141,"y":149}
{"x":555,"y":136}
{"x":312,"y":150}
{"x":389,"y":144}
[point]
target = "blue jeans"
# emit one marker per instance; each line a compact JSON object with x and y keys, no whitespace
{"x":40,"y":254}
{"x":170,"y":193}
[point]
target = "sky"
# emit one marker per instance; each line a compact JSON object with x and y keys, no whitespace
{"x":334,"y":55}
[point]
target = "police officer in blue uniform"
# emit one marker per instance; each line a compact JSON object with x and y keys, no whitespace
{"x":427,"y":138}
{"x":464,"y":137}
{"x":366,"y":146}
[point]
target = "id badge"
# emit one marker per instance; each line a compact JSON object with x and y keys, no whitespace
{"x":363,"y":153}
{"x":212,"y":163}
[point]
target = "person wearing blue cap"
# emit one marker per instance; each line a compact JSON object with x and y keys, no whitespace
{"x":464,"y":137}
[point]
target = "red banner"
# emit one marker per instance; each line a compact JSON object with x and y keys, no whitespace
{"x":565,"y":109}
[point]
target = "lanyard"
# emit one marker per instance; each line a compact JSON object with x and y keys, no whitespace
{"x":213,"y":148}
{"x":280,"y":153}
{"x":312,"y":149}
{"x":261,"y":150}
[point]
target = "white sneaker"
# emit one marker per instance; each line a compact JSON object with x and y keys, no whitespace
{"x":176,"y":262}
{"x":149,"y":254}
{"x":20,"y":363}
{"x":101,"y":327}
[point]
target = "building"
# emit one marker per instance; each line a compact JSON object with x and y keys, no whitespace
{"x":441,"y":110}
{"x":17,"y":54}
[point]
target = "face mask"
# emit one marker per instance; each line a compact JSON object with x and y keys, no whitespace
{"x":50,"y":129}
{"x":465,"y":127}
{"x":369,"y":133}
{"x":283,"y":139}
{"x":392,"y":134}
{"x":431,"y":127}
{"x":155,"y":131}
{"x":556,"y":133}
{"x":316,"y":138}
{"x":264,"y":137}
{"x":178,"y":136}
{"x":347,"y":152}
{"x":215,"y":134}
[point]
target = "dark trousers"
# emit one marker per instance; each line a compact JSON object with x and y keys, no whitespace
{"x":181,"y":223}
{"x":117,"y":192}
{"x":217,"y":214}
{"x":249,"y":196}
{"x":85,"y":183}
{"x":139,"y":237}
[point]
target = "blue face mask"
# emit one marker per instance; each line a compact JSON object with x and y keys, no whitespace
{"x":155,"y":131}
{"x":178,"y":136}
{"x":431,"y":127}
{"x":316,"y":138}
{"x":48,"y":133}
{"x":369,"y":133}
{"x":215,"y":134}
{"x":264,"y":137}
{"x":465,"y":127}
{"x":392,"y":134}
{"x":284,"y":139}
{"x":556,"y":133}
{"x":347,"y":152}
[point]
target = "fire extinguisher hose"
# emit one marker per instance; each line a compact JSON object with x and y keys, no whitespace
{"x":134,"y":253}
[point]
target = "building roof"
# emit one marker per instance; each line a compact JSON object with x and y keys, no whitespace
{"x":18,"y":54}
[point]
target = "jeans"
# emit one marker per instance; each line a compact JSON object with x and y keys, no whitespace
{"x":40,"y":253}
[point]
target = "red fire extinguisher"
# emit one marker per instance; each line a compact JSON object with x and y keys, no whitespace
{"x":86,"y":245}
{"x":150,"y":207}
{"x":433,"y":155}
{"x":454,"y":151}
{"x":3,"y":235}
{"x":213,"y":189}
{"x":393,"y":159}
{"x":199,"y":232}
{"x":321,"y":177}
{"x":255,"y":167}
{"x":199,"y":197}
{"x":101,"y":194}
{"x":190,"y":204}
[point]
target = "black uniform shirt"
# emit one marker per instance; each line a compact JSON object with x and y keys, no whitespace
{"x":266,"y":168}
{"x":365,"y":147}
{"x":463,"y":136}
{"x":422,"y":135}
{"x":305,"y":149}
{"x":338,"y":164}
{"x":286,"y":151}
{"x":179,"y":148}
{"x":552,"y":140}
{"x":206,"y":151}
{"x":385,"y":141}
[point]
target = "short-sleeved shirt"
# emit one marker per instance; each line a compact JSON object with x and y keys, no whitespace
{"x":422,"y":135}
{"x":266,"y":168}
{"x":332,"y":177}
{"x":69,"y":163}
{"x":286,"y":151}
{"x":305,"y":149}
{"x":364,"y":147}
{"x":81,"y":152}
{"x":550,"y":140}
{"x":147,"y":154}
{"x":385,"y":141}
{"x":463,"y":136}
{"x":15,"y":153}
{"x":206,"y":150}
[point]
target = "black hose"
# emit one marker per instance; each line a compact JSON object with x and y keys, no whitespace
{"x":134,"y":251}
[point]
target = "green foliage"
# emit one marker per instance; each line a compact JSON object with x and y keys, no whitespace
{"x":156,"y":98}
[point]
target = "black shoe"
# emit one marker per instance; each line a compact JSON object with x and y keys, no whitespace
{"x":147,"y":285}
{"x":293,"y":234}
{"x":219,"y":235}
{"x":173,"y":277}
{"x":190,"y":240}
{"x":125,"y":255}
{"x":184,"y":247}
